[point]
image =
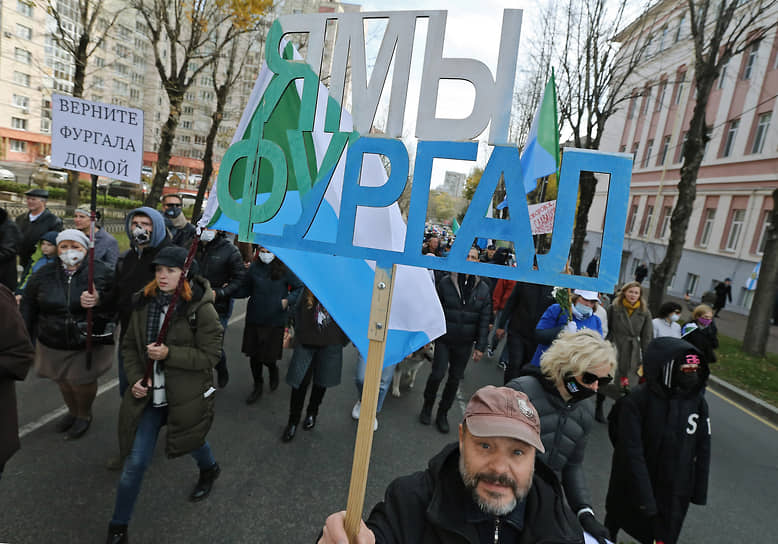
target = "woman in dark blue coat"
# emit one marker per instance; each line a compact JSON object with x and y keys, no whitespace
{"x":272,"y":290}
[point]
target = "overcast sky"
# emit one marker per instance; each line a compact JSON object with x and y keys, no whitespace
{"x":472,"y":31}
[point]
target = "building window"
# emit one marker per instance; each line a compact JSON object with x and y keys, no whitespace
{"x":723,"y":74}
{"x":751,"y":59}
{"x":186,"y":124}
{"x":633,"y":213}
{"x":738,"y":216}
{"x":623,"y":148}
{"x":22,"y":79}
{"x":647,"y":216}
{"x":23,"y":32}
{"x":24,"y":8}
{"x":707,"y":226}
{"x":663,"y":39}
{"x":631,"y":109}
{"x":647,"y":153}
{"x":99,"y":62}
{"x":763,"y":234}
{"x":135,"y":94}
{"x":761,"y":133}
{"x":18,"y":123}
{"x":679,"y":87}
{"x":646,"y":100}
{"x":22,"y":102}
{"x":634,"y":151}
{"x":661,"y":98}
{"x":18,"y":146}
{"x":199,"y":140}
{"x":22,"y":55}
{"x":666,"y":215}
{"x":684,"y":137}
{"x":692,"y":281}
{"x":679,"y":30}
{"x":665,"y":149}
{"x":45,"y":126}
{"x":729,"y":142}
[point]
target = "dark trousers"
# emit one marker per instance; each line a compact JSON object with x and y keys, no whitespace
{"x":453,"y":357}
{"x":298,"y":398}
{"x":520,"y":352}
{"x":256,"y":368}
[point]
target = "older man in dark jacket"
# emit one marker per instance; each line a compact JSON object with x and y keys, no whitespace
{"x":467,"y":305}
{"x":34,"y":224}
{"x":16,"y":357}
{"x":221,"y":264}
{"x":488,"y":488}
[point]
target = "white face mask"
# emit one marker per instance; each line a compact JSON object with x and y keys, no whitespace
{"x":674,"y":317}
{"x":266,"y":258}
{"x":207,"y":236}
{"x":72,"y":257}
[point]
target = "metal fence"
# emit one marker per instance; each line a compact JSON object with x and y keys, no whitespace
{"x":113,"y":219}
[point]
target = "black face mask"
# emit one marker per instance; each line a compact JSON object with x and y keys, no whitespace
{"x":173,"y":212}
{"x":687,"y":381}
{"x":577,"y":391}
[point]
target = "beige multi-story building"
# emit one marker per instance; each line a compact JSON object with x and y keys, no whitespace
{"x":726,"y":233}
{"x":122,"y":72}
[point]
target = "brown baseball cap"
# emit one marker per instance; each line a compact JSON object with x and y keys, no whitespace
{"x":502,"y":411}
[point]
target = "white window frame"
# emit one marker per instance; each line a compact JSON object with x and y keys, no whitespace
{"x":633,"y":218}
{"x":24,"y":32}
{"x":763,"y":123}
{"x":17,"y":123}
{"x":681,"y":81}
{"x":668,"y":212}
{"x":647,"y":153}
{"x":729,"y":142}
{"x":763,"y":235}
{"x":735,"y":229}
{"x":648,"y":216}
{"x":21,"y":146}
{"x":707,"y":226}
{"x":692,"y":282}
{"x":751,"y":60}
{"x":723,"y":74}
{"x":665,"y":149}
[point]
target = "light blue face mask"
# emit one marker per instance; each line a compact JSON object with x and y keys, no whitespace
{"x":584,"y":310}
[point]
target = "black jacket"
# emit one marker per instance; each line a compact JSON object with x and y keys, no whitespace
{"x":10,"y":242}
{"x":524,"y":309}
{"x":51,"y":304}
{"x":468,"y":320}
{"x":661,"y":455}
{"x":133,"y":272}
{"x":265,"y":294}
{"x":564,"y":430}
{"x":221,"y":264}
{"x":32,"y":232}
{"x":704,"y":339}
{"x":434,"y":507}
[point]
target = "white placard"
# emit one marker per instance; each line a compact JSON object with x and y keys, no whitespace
{"x":541,"y":216}
{"x":96,"y":138}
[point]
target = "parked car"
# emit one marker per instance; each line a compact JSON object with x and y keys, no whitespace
{"x":49,"y":176}
{"x":7,"y":175}
{"x":125,"y":189}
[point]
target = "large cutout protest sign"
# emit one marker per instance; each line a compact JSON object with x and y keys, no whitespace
{"x":304,"y":177}
{"x":96,"y":138}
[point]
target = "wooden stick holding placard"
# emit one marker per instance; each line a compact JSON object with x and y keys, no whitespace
{"x":91,"y":268}
{"x":383,"y":286}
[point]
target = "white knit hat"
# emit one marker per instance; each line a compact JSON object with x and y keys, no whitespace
{"x":73,"y":235}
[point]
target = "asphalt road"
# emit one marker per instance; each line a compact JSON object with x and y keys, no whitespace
{"x":59,"y":492}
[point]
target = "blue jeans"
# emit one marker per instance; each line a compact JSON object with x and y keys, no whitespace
{"x":386,"y":380}
{"x":139,"y":460}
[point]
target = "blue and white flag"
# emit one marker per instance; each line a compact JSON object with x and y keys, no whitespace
{"x":343,"y":285}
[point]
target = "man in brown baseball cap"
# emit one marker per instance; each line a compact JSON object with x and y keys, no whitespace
{"x":486,"y":488}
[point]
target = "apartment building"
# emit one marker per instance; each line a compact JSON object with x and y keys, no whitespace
{"x":122,"y":72}
{"x":726,"y":233}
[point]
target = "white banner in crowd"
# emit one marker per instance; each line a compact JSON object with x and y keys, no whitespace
{"x":96,"y":138}
{"x":541,"y":216}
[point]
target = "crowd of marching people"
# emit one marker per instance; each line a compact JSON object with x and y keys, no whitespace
{"x":161,"y":308}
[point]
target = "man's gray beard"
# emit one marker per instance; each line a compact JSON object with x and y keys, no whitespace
{"x":471,"y":483}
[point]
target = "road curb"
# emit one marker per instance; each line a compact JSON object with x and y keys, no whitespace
{"x":758,"y":406}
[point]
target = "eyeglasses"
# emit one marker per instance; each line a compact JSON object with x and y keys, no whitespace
{"x":172,"y":205}
{"x":588,"y":378}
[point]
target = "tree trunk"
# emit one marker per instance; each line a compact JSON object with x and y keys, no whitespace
{"x":588,"y":183}
{"x":687,"y":191}
{"x":164,"y":151}
{"x":216,"y":119}
{"x":72,"y":199}
{"x":758,"y":326}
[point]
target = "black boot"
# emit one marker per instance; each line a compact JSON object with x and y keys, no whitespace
{"x":65,"y":423}
{"x":273,"y":370}
{"x":79,"y":427}
{"x":117,"y":534}
{"x":222,"y":374}
{"x":205,"y":483}
{"x":309,"y":422}
{"x":441,"y":421}
{"x":598,"y":415}
{"x":425,"y":417}
{"x":255,"y":394}
{"x":289,"y":432}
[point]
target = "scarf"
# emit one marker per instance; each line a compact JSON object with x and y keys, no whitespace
{"x":630,"y":307}
{"x":154,"y":321}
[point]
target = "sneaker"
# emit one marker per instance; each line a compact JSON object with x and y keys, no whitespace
{"x":502,"y":364}
{"x":490,"y":352}
{"x":355,"y":410}
{"x":375,"y":424}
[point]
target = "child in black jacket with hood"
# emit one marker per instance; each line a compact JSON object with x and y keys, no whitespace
{"x":661,"y":435}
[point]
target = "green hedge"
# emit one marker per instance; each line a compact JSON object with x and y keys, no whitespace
{"x":59,"y":193}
